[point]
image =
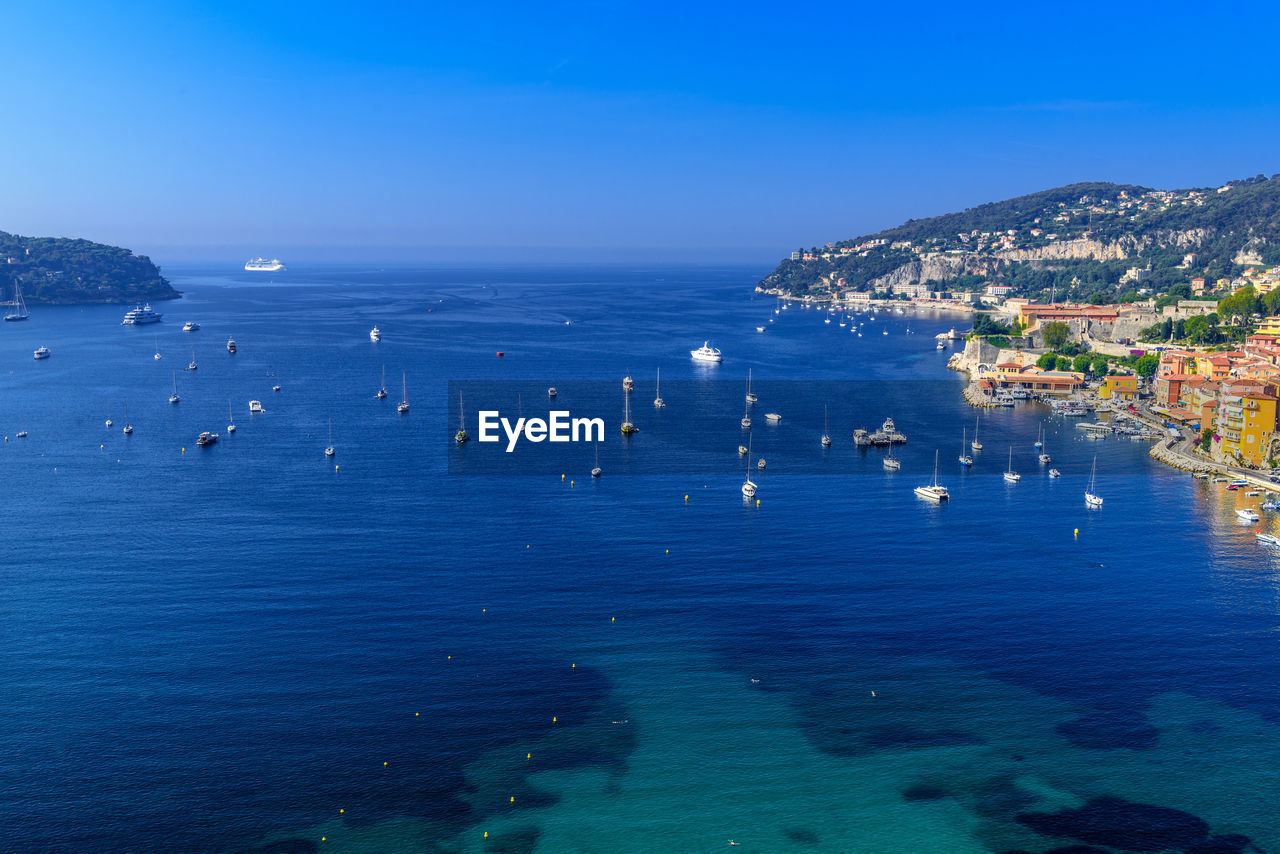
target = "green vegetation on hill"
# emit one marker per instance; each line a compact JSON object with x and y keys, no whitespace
{"x":59,"y":270}
{"x":1077,"y":242}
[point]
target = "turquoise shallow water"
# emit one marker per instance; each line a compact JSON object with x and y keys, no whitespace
{"x":217,"y":650}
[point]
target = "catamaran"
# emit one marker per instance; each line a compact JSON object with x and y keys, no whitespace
{"x":935,"y":491}
{"x":1091,"y":498}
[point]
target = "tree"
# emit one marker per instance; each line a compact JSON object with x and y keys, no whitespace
{"x":1238,"y":307}
{"x":1271,"y":302}
{"x":1197,"y":329}
{"x":1063,"y":364}
{"x":1081,"y":363}
{"x":1047,"y":361}
{"x":1055,"y":334}
{"x":1098,"y":366}
{"x":1206,"y":439}
{"x":1146,"y":365}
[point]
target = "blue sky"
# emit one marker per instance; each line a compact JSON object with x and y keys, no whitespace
{"x":621,"y":130}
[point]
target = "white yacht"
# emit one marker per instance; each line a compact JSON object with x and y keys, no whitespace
{"x":231,"y":345}
{"x":263,"y":265}
{"x":941,"y":346}
{"x":1011,"y":476}
{"x":375,"y":334}
{"x":140,"y":315}
{"x":43,"y":353}
{"x":742,"y":450}
{"x":190,"y":326}
{"x":934,"y":491}
{"x":551,"y":392}
{"x":1091,"y":498}
{"x":1247,"y":515}
{"x":760,"y":464}
{"x":255,"y":407}
{"x":1268,"y":539}
{"x":206,"y":439}
{"x":706,"y":353}
{"x":772,"y":417}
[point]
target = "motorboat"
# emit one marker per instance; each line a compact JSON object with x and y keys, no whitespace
{"x":140,"y":315}
{"x":933,"y":491}
{"x":551,"y":392}
{"x":1054,"y":473}
{"x":375,"y":334}
{"x":742,"y":450}
{"x":190,"y":326}
{"x":772,"y":417}
{"x":1267,"y":539}
{"x":760,"y":464}
{"x":706,"y":353}
{"x":1247,"y":515}
{"x":255,"y":407}
{"x":231,"y":345}
{"x":43,"y":353}
{"x":206,"y":439}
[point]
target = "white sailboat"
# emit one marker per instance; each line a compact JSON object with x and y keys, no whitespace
{"x":19,"y":305}
{"x":934,"y":491}
{"x":627,"y":427}
{"x":1040,"y":437}
{"x":382,"y":389}
{"x":826,"y":437}
{"x":231,"y":421}
{"x":193,"y":365}
{"x":1045,"y":459}
{"x":157,"y":346}
{"x":658,"y":402}
{"x":596,"y":472}
{"x":751,"y":398}
{"x":1091,"y":498}
{"x":109,"y":421}
{"x":328,"y":451}
{"x":965,"y":459}
{"x":128,"y":428}
{"x":748,"y":486}
{"x":404,"y":395}
{"x":173,"y":398}
{"x":890,"y":463}
{"x":1011,"y":476}
{"x":975,"y":444}
{"x":461,"y":436}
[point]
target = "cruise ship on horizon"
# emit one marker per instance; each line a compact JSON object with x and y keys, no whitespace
{"x":262,"y":265}
{"x":140,"y":315}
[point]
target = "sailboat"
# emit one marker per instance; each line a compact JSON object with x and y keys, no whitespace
{"x":19,"y":306}
{"x":128,"y":428}
{"x":596,"y":472}
{"x":658,"y":402}
{"x":751,"y":398}
{"x":231,"y":421}
{"x":193,"y":365}
{"x":329,"y":452}
{"x":627,"y":427}
{"x":935,"y":491}
{"x":461,"y":436}
{"x":173,"y":398}
{"x":826,"y":437}
{"x":975,"y":444}
{"x":748,"y":486}
{"x":382,"y":389}
{"x":272,"y":373}
{"x":1040,"y":437}
{"x":891,"y":464}
{"x":965,"y":459}
{"x":157,"y":346}
{"x":403,"y":405}
{"x":1091,"y":498}
{"x":1011,"y":476}
{"x":1045,"y":459}
{"x":109,"y":421}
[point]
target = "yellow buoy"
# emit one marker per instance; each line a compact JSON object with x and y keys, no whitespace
{"x":528,"y":756}
{"x":553,"y":720}
{"x":757,"y":502}
{"x":184,"y":450}
{"x":613,"y":619}
{"x":384,"y":765}
{"x":686,"y":499}
{"x":415,"y":714}
{"x":513,"y":799}
{"x":341,"y":810}
{"x":486,"y":834}
{"x":324,"y":838}
{"x":668,"y":551}
{"x":1076,"y":532}
{"x":562,"y":479}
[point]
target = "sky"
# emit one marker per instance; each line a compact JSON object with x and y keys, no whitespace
{"x":552,"y":131}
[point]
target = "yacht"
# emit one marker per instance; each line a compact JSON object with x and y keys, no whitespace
{"x":43,"y":353}
{"x":551,"y":392}
{"x":706,"y":353}
{"x":1054,"y":473}
{"x":173,"y":398}
{"x":934,"y":491}
{"x":748,"y":487}
{"x":742,"y":450}
{"x":231,"y":422}
{"x":1091,"y":498}
{"x":190,"y":326}
{"x":329,"y":451}
{"x":772,"y":417}
{"x":1011,"y":476}
{"x":140,"y":315}
{"x":206,"y":439}
{"x":759,"y":329}
{"x":231,"y":345}
{"x":375,"y":334}
{"x":751,"y":398}
{"x":382,"y":389}
{"x":404,"y":395}
{"x":263,"y":265}
{"x":658,"y":402}
{"x":461,"y":436}
{"x":255,"y":407}
{"x":760,"y":464}
{"x":1247,"y":515}
{"x":19,"y":306}
{"x":965,"y":459}
{"x":941,"y":346}
{"x":1267,"y":539}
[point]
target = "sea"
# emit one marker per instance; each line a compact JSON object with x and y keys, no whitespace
{"x":421,"y":646}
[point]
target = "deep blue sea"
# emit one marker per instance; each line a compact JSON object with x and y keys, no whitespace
{"x":255,"y":648}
